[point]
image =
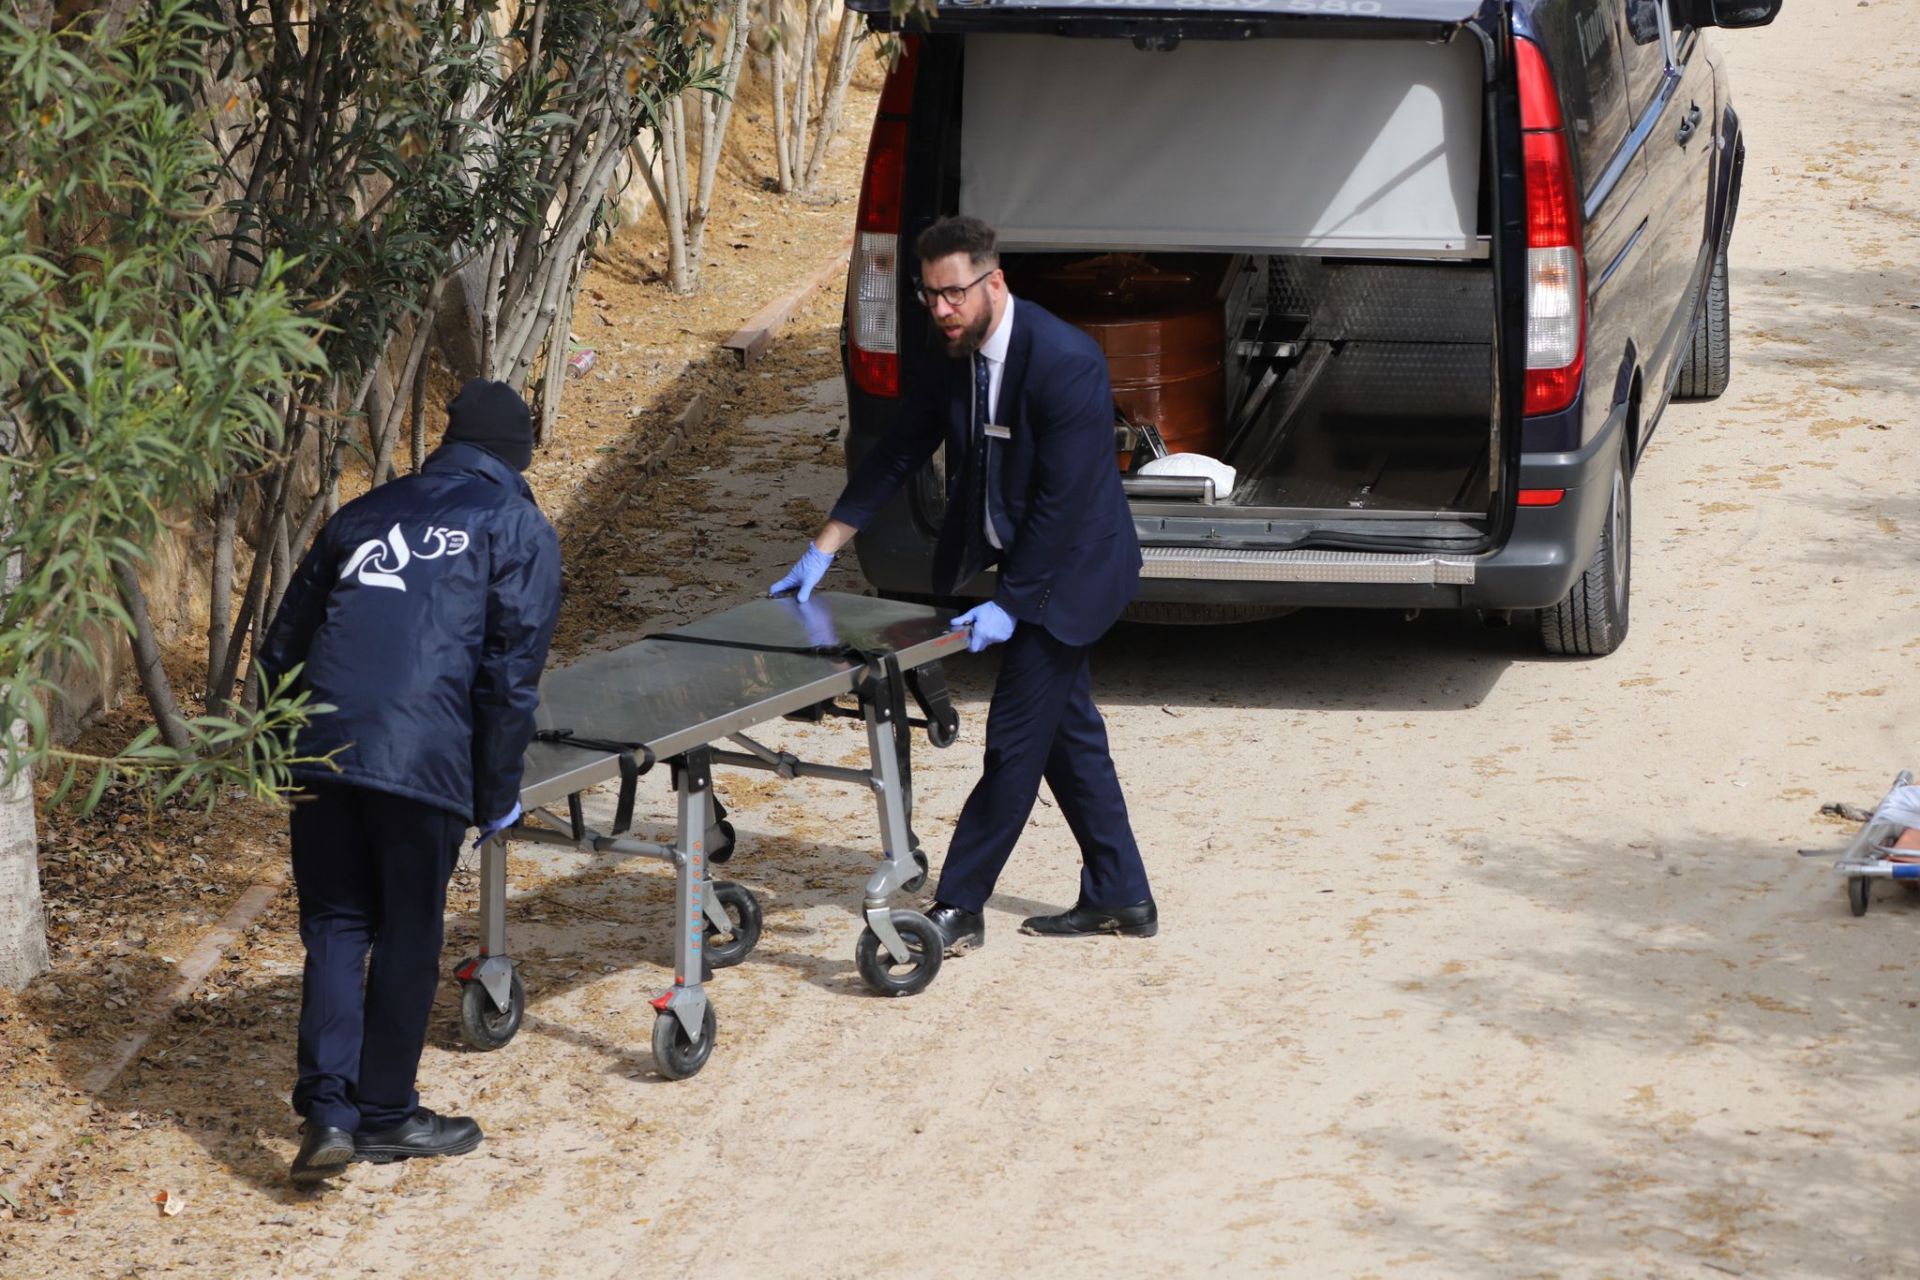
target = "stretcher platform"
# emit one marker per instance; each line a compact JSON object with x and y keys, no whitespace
{"x":674,"y":699}
{"x":1870,"y":855}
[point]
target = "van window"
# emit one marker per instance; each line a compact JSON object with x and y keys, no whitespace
{"x":1583,"y":48}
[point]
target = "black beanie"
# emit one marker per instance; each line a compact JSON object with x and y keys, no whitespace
{"x":493,"y":416}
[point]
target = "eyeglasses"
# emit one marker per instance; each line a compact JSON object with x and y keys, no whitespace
{"x":953,"y":295}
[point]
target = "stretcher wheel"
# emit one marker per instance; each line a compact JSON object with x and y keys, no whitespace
{"x":876,"y":964}
{"x":724,"y":849}
{"x":675,"y":1056}
{"x":743,"y":909}
{"x":1859,"y":893}
{"x":943,"y":734}
{"x":483,"y":1024}
{"x":919,"y":882}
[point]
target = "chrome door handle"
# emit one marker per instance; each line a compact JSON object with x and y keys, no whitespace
{"x":1685,"y":132}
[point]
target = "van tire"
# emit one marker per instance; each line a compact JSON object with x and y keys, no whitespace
{"x":1708,"y":366}
{"x":1592,"y":621}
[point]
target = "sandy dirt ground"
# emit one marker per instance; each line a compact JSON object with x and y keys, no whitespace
{"x":1473,"y":963}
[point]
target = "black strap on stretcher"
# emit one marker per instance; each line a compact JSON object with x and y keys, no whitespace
{"x":630,"y":770}
{"x":844,"y":652}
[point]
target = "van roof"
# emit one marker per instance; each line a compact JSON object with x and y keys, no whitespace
{"x":1349,"y":10}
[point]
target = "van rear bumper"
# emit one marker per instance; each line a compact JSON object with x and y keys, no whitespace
{"x":1542,"y":557}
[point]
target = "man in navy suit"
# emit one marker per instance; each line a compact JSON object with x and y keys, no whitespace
{"x":1025,"y":409}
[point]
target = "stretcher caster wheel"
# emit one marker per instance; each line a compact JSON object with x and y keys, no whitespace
{"x":675,"y":1056}
{"x":723,"y":848}
{"x":919,"y":882}
{"x":876,"y":964}
{"x":743,"y":909}
{"x":1859,"y":893}
{"x":485,"y":1025}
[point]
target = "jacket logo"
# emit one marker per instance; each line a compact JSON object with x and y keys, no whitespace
{"x":378,"y":562}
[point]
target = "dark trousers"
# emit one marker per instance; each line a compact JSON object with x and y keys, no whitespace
{"x":372,"y":871}
{"x":1042,"y":723}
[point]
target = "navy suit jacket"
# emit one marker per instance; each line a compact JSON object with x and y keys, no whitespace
{"x":1073,"y":562}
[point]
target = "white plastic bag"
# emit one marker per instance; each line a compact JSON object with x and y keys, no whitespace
{"x":1198,"y":464}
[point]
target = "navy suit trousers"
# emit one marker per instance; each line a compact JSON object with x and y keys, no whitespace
{"x":372,"y":872}
{"x":1042,"y":723}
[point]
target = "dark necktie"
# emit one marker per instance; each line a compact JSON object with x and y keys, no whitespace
{"x":989,"y":453}
{"x":976,"y":553}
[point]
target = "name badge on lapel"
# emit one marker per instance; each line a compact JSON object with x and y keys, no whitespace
{"x":998,"y":432}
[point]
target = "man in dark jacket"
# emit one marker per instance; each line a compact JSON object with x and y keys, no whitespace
{"x":1024,"y":407}
{"x":422,"y":615}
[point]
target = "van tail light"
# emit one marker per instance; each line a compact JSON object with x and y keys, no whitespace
{"x":1556,"y":267}
{"x":873,"y":278}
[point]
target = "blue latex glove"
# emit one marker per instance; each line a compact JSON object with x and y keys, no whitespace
{"x":987,"y":624}
{"x":817,"y":621}
{"x":805,"y":574}
{"x":498,"y":825}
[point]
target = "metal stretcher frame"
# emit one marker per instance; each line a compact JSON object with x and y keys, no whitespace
{"x":1867,"y":856}
{"x":672,"y":698}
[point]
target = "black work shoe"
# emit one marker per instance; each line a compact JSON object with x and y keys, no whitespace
{"x":1141,"y":920}
{"x":325,"y":1152}
{"x":421,"y":1134}
{"x":959,"y":930}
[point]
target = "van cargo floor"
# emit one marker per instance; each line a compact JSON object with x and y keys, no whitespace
{"x":1391,"y":486}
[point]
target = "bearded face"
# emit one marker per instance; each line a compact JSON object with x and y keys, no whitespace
{"x":966,"y":325}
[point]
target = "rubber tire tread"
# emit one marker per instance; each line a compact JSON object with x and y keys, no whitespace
{"x":741,"y":905}
{"x":1708,"y":366}
{"x":1583,"y":625}
{"x":872,"y":960}
{"x":484,"y":1027}
{"x":674,"y":1057}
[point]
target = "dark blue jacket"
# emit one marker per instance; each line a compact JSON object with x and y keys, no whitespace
{"x":1074,"y":560}
{"x":423,"y":614}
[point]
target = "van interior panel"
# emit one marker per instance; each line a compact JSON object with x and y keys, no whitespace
{"x":1332,"y":146}
{"x":1347,"y":388}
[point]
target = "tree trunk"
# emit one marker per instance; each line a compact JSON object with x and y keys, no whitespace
{"x":226,"y":513}
{"x":146,"y":660}
{"x":803,"y":93}
{"x":417,"y":409}
{"x":839,"y":75}
{"x":553,"y":373}
{"x":775,"y":28}
{"x":23,"y":921}
{"x":713,"y":138}
{"x":673,"y":204}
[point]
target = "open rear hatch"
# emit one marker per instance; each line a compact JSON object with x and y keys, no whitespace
{"x":1283,"y":243}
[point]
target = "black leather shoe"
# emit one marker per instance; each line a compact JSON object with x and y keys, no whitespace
{"x":959,"y":930}
{"x":421,"y":1134}
{"x":1141,"y":920}
{"x":324,"y":1153}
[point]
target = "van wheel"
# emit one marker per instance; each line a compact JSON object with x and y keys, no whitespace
{"x":1708,"y":365}
{"x":1592,"y":621}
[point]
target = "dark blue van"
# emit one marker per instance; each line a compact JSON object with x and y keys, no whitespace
{"x":1393,"y":291}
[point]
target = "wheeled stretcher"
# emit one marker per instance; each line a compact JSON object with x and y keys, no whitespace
{"x":1869,"y":856}
{"x":672,"y":699}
